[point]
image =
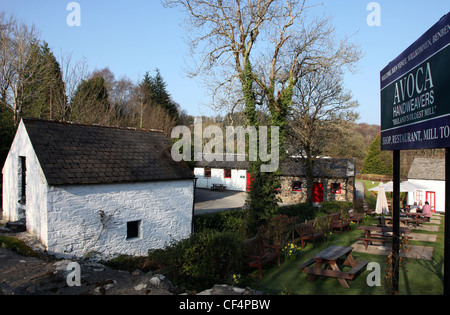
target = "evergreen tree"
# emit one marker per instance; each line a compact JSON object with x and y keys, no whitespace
{"x":90,"y":103}
{"x":43,"y":93}
{"x":377,"y":161}
{"x":155,"y":94}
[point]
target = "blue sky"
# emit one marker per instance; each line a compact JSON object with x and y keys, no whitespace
{"x":136,"y":36}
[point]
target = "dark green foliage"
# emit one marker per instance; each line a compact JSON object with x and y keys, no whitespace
{"x":225,"y":221}
{"x":202,"y":260}
{"x":301,"y":211}
{"x":90,"y":102}
{"x":43,"y":93}
{"x":155,"y":93}
{"x":330,"y":207}
{"x":262,"y":197}
{"x":377,"y":161}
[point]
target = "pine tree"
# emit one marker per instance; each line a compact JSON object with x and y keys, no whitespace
{"x":377,"y":161}
{"x":43,"y":94}
{"x":155,"y":94}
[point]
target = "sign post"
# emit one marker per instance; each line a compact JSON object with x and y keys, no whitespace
{"x":415,"y":114}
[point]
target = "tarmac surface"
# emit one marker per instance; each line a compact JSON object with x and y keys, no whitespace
{"x":211,"y":201}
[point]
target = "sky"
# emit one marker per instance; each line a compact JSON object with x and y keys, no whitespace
{"x":136,"y":36}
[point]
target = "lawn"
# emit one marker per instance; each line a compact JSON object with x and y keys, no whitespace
{"x":417,"y":276}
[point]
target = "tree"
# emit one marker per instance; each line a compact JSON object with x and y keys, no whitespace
{"x":377,"y":161}
{"x":44,"y":93}
{"x":90,"y":103}
{"x":255,"y":52}
{"x":18,"y":42}
{"x":321,"y":113}
{"x":155,"y":93}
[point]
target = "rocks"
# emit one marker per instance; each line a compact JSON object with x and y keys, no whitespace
{"x":17,"y":226}
{"x":21,"y":275}
{"x":222,"y":289}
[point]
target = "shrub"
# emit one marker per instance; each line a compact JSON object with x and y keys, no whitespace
{"x":203,"y":259}
{"x":301,"y":211}
{"x":330,"y":207}
{"x":278,"y":229}
{"x":225,"y":221}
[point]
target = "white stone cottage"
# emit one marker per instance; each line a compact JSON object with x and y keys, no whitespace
{"x":87,"y":189}
{"x":430,"y":173}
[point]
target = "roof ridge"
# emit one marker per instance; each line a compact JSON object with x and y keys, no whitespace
{"x":64,"y":122}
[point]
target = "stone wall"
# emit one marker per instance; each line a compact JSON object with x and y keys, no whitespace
{"x":288,"y":196}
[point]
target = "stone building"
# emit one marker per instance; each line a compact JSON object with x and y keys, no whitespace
{"x":334,"y":179}
{"x":87,"y":189}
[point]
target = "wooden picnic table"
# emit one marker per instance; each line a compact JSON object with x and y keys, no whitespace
{"x":369,"y":238}
{"x":329,"y":259}
{"x":218,"y":187}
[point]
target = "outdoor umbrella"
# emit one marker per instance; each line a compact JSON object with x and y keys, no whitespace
{"x":404,"y":187}
{"x":382,"y":206}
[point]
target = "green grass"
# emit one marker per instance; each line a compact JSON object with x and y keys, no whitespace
{"x":18,"y":247}
{"x":417,"y":276}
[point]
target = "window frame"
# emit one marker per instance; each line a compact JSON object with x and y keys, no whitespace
{"x":137,"y":230}
{"x":333,"y":190}
{"x":225,"y":173}
{"x":207,"y":172}
{"x":293,"y":184}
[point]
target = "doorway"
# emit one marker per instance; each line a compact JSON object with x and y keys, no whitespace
{"x":318,"y":193}
{"x":430,"y":196}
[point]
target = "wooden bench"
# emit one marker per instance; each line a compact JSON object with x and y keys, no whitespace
{"x":337,"y":223}
{"x":257,"y":256}
{"x":307,"y":232}
{"x":218,"y":187}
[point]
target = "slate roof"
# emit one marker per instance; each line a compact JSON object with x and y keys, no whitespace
{"x":71,"y":153}
{"x":325,"y":168}
{"x":429,"y":169}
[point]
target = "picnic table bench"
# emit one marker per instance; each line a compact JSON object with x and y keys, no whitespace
{"x":218,"y":187}
{"x":368,"y":237}
{"x":330,"y":258}
{"x":256,"y":254}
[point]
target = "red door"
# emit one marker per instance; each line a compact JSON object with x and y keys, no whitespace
{"x":430,"y":196}
{"x":318,"y":192}
{"x":249,"y":181}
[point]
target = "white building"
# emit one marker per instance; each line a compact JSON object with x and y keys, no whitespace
{"x":96,"y":190}
{"x":431,"y":174}
{"x":231,"y":174}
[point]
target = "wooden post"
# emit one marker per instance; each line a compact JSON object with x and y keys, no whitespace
{"x":396,"y":223}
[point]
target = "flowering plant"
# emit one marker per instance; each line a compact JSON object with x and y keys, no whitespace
{"x":290,"y":251}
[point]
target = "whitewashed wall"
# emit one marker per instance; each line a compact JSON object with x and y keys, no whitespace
{"x":76,"y":227}
{"x":238,"y":180}
{"x":36,"y":186}
{"x":432,"y":185}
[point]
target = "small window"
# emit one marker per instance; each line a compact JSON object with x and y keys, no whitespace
{"x":296,"y":186}
{"x":227,"y":173}
{"x":133,"y":229}
{"x":336,"y":188}
{"x":207,"y":172}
